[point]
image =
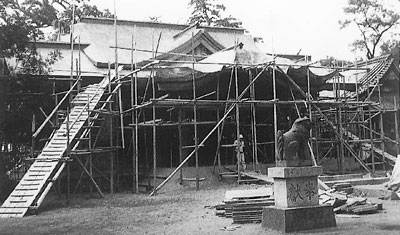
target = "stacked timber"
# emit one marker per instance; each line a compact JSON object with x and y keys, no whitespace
{"x":344,"y":203}
{"x":248,"y":210}
{"x":245,"y":206}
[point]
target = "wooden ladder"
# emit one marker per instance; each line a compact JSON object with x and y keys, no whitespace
{"x":34,"y":186}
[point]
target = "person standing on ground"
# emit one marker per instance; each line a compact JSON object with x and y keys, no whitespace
{"x":239,"y":149}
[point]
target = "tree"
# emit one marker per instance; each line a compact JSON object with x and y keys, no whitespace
{"x":83,"y":10}
{"x":388,"y":46}
{"x":42,"y":13}
{"x":26,"y":87}
{"x":18,"y":32}
{"x":374,"y":18}
{"x":208,"y":12}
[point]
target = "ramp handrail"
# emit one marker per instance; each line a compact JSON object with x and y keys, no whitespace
{"x":37,"y":132}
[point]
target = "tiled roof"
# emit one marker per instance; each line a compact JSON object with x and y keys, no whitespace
{"x":171,"y":40}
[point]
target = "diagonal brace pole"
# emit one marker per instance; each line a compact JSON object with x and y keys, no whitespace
{"x":90,"y":177}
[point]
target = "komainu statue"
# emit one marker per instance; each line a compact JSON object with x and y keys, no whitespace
{"x":293,"y":145}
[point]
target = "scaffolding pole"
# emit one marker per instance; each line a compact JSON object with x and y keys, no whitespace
{"x":196,"y":147}
{"x":396,"y":126}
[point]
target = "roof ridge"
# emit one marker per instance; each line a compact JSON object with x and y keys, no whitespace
{"x":111,"y":21}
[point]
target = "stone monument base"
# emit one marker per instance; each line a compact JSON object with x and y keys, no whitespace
{"x":298,"y":218}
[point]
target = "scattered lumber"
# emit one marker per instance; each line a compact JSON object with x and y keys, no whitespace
{"x":344,"y":187}
{"x":348,"y":203}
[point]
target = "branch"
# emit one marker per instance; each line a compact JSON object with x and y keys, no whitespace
{"x":365,"y":41}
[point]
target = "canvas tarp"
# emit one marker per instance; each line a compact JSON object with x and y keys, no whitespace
{"x":183,"y":72}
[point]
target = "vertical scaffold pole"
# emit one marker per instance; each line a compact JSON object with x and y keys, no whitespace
{"x":68,"y":155}
{"x":219,"y":129}
{"x":136,"y":118}
{"x":89,"y":144}
{"x":196,"y":147}
{"x":275,"y":109}
{"x":371,"y":135}
{"x":72,"y":50}
{"x":253,"y":123}
{"x":180,"y":142}
{"x":238,"y":158}
{"x":154,"y":122}
{"x":382,"y":134}
{"x":133,"y":121}
{"x":110,"y":133}
{"x":33,"y":139}
{"x":396,"y":126}
{"x":341,"y":149}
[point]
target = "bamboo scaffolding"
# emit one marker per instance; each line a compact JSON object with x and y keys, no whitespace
{"x":207,"y":136}
{"x":342,"y":105}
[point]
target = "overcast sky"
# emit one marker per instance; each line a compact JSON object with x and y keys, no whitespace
{"x":285,"y":25}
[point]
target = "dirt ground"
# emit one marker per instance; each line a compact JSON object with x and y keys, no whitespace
{"x":176,"y":209}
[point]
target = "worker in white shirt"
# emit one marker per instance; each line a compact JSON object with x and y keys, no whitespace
{"x":239,"y":149}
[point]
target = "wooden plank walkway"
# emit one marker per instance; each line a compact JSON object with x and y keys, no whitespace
{"x":45,"y":169}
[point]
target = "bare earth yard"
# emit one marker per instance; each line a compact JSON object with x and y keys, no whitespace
{"x":177,"y":212}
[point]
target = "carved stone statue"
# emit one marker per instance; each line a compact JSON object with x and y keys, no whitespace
{"x":293,"y":145}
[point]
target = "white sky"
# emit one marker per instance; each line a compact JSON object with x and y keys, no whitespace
{"x":286,"y":25}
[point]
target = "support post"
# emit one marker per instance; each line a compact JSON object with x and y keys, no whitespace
{"x":180,"y":143}
{"x":90,"y":146}
{"x":396,"y":126}
{"x":72,"y":50}
{"x":110,"y":136}
{"x":237,"y":124}
{"x":33,"y":138}
{"x":341,"y":148}
{"x":134,"y":117}
{"x":219,"y":134}
{"x":382,"y":139}
{"x":275,"y":110}
{"x":196,"y":147}
{"x":136,"y":121}
{"x":154,"y":125}
{"x":253,"y":124}
{"x":371,"y":135}
{"x":68,"y":163}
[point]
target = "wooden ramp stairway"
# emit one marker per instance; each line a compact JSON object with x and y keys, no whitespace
{"x":34,"y":186}
{"x":367,"y":146}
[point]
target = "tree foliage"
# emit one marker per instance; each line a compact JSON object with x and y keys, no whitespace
{"x":388,"y":46}
{"x":18,"y":32}
{"x":83,"y":10}
{"x":374,"y":18}
{"x":25,"y":88}
{"x":209,"y":12}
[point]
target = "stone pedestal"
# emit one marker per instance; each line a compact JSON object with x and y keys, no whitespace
{"x":296,"y":201}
